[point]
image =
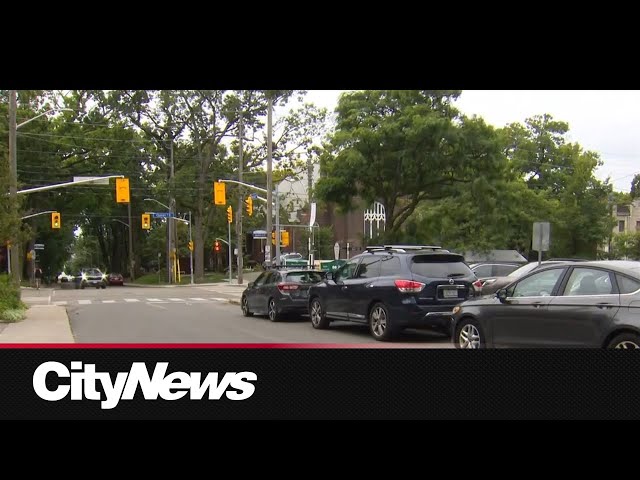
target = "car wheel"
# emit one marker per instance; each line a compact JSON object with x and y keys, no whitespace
{"x":469,"y":334}
{"x":104,"y":286}
{"x":379,"y":323}
{"x":625,"y":341}
{"x":318,"y":318}
{"x":274,"y":315}
{"x":245,"y":307}
{"x":82,"y":287}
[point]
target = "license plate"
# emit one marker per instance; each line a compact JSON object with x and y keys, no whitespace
{"x":449,"y":293}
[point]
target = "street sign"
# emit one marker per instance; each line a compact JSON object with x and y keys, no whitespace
{"x":161,"y":214}
{"x":312,"y":217}
{"x":258,"y":234}
{"x":38,"y":246}
{"x":541,"y":235}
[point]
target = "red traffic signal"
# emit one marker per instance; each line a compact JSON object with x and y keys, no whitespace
{"x":216,"y":246}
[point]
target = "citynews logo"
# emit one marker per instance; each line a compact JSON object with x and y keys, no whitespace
{"x":174,"y":386}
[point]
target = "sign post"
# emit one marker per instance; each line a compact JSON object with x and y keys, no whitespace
{"x":540,"y":239}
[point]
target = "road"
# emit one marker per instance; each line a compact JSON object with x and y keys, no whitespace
{"x":198,"y":314}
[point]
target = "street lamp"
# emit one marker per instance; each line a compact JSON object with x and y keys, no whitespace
{"x":13,"y":173}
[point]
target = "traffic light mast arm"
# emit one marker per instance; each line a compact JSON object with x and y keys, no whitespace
{"x":60,"y":185}
{"x":39,"y":213}
{"x":248,"y":185}
{"x":220,"y":239}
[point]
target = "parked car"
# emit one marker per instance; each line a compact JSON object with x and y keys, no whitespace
{"x":91,"y":277}
{"x":579,"y":304}
{"x":393,"y":287}
{"x":115,"y":279}
{"x":486,"y":270}
{"x":65,"y":278}
{"x":492,"y":284}
{"x":278,"y":292}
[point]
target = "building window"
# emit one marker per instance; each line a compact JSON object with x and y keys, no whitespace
{"x":620,"y":225}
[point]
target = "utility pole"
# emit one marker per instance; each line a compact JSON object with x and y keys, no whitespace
{"x":170,"y":221}
{"x":13,"y":185}
{"x":267,"y":248}
{"x":240,"y":203}
{"x":131,"y":260}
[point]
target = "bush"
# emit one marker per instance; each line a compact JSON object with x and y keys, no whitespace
{"x":12,"y":315}
{"x":9,"y":296}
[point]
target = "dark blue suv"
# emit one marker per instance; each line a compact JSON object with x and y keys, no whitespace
{"x":393,"y":287}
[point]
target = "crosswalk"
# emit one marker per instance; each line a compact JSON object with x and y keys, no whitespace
{"x":171,"y":300}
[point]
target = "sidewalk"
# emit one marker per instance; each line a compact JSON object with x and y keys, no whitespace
{"x":43,"y":324}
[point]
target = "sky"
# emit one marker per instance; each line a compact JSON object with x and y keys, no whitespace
{"x":604,"y":121}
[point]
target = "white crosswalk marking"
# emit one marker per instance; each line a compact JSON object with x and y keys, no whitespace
{"x":177,"y":299}
{"x":61,"y":302}
{"x":198,"y":299}
{"x":131,"y":300}
{"x":218,"y":299}
{"x":108,"y":301}
{"x":84,"y":302}
{"x":153,"y":300}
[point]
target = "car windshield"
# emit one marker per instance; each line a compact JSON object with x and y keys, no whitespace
{"x":93,"y":271}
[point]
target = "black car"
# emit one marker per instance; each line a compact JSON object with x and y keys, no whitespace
{"x":578,"y":304}
{"x":392,"y":287}
{"x":278,"y":292}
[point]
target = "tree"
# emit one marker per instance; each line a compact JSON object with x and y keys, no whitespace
{"x":402,"y":148}
{"x":635,"y":186}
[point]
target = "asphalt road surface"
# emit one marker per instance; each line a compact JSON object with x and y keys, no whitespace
{"x":198,"y":314}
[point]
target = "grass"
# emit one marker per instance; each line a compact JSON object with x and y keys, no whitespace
{"x":11,"y":307}
{"x":152,"y":279}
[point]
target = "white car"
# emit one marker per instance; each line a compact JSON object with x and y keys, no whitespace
{"x":64,"y":277}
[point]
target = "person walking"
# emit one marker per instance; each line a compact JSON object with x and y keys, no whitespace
{"x":38,"y":275}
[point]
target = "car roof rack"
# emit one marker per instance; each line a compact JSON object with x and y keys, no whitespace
{"x":400,"y":248}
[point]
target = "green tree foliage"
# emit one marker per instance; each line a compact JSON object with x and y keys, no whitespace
{"x":635,"y":186}
{"x":402,"y":148}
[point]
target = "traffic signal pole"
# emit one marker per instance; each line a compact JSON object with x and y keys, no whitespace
{"x":191,"y":249}
{"x":230,"y":258}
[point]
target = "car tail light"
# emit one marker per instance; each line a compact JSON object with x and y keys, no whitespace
{"x":286,"y":287}
{"x":409,"y":286}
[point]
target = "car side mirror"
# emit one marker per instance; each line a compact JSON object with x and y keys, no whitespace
{"x":250,"y":285}
{"x":328,"y":276}
{"x":502,"y":295}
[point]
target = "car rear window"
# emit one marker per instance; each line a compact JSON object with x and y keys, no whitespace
{"x":440,"y":266}
{"x":304,"y":277}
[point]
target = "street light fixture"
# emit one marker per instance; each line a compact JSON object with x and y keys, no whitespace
{"x":13,"y":173}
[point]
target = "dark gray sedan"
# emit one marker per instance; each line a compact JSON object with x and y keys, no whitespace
{"x":586,"y":304}
{"x":279,"y":292}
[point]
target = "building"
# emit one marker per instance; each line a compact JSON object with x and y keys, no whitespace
{"x":628,"y":217}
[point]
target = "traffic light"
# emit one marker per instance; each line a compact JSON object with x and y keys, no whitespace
{"x":284,"y":238}
{"x":216,"y":246}
{"x":219,"y":196}
{"x":191,"y":245}
{"x":55,"y":220}
{"x":229,"y":214}
{"x":146,"y":221}
{"x":249,"y":203}
{"x":122,"y":190}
